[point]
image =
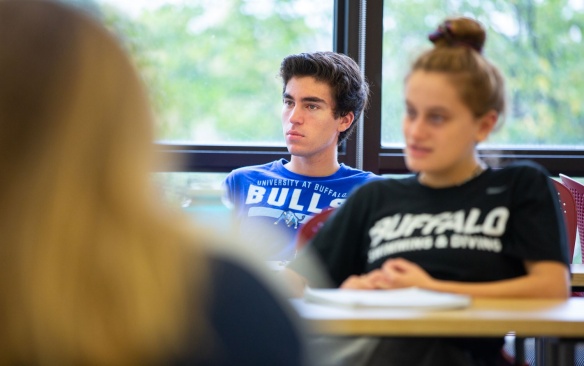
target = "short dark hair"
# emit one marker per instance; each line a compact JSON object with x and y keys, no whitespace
{"x":349,"y":88}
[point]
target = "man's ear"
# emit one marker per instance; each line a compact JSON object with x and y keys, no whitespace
{"x":346,"y":121}
{"x":486,"y":124}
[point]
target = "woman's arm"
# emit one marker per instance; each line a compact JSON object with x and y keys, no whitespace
{"x":544,"y":279}
{"x":296,"y":283}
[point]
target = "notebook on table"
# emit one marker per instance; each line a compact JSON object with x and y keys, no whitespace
{"x":407,"y":298}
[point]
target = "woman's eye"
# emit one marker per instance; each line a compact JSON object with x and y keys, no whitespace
{"x":410,"y":114}
{"x":436,"y":118}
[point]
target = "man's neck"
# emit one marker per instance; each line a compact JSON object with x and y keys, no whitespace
{"x":313,"y":167}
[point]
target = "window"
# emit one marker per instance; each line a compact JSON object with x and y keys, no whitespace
{"x":212,"y":71}
{"x":534,"y":43}
{"x":537,"y":45}
{"x":212,"y":67}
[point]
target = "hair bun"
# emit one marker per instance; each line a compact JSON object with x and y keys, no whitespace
{"x":456,"y":32}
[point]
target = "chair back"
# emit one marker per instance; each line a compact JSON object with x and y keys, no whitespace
{"x":568,"y":206}
{"x":577,"y":190}
{"x":309,"y":229}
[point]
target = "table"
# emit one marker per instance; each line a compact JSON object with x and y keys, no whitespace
{"x":563,"y":319}
{"x":577,"y":276}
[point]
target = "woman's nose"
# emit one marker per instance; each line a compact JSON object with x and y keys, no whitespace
{"x":416,"y":127}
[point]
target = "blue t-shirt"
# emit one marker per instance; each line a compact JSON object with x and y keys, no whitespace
{"x":270,"y":202}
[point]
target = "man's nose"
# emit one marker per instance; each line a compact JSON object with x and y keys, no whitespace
{"x":296,"y":115}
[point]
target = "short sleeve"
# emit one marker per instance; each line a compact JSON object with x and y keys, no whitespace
{"x":536,"y":224}
{"x":227,"y":191}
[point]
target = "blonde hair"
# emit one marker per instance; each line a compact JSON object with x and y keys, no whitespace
{"x":458,"y":44}
{"x":93,"y":270}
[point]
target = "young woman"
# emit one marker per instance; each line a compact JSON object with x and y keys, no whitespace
{"x":93,"y":269}
{"x":456,"y":225}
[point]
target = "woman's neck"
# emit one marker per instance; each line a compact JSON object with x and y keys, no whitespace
{"x":452,"y":178}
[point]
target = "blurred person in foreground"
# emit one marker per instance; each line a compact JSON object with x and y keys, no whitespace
{"x":456,"y":225}
{"x":94,"y":270}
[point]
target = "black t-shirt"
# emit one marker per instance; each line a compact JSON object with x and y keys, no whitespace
{"x":480,"y":231}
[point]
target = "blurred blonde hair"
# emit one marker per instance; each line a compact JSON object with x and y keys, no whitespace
{"x":93,"y":270}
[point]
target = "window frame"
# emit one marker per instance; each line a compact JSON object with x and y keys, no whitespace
{"x":364,"y":149}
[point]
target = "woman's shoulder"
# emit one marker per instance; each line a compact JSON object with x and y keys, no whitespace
{"x":233,"y":274}
{"x":525,"y":166}
{"x":524,"y":177}
{"x":253,"y":322}
{"x":522,"y":170}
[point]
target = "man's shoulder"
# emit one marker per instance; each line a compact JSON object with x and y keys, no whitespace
{"x":350,"y":172}
{"x":273,"y":167}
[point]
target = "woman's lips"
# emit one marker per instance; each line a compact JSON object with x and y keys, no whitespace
{"x":416,"y":151}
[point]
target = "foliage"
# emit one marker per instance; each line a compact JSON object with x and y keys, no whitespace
{"x":537,"y":45}
{"x":213,"y":70}
{"x":212,"y":67}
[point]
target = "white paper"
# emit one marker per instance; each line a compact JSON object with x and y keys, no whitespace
{"x":409,"y":298}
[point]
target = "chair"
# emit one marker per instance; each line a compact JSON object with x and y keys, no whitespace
{"x":577,"y":190}
{"x":569,"y":210}
{"x":311,"y":227}
{"x":568,"y":206}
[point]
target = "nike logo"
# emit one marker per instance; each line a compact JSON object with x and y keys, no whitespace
{"x":496,"y":190}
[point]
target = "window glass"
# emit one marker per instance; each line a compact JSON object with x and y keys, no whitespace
{"x":537,"y":45}
{"x":189,"y":189}
{"x":198,"y":194}
{"x":212,"y":66}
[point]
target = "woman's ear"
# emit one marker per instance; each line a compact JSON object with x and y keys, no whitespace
{"x":486,"y":124}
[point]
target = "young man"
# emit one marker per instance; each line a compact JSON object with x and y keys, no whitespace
{"x":323,"y":96}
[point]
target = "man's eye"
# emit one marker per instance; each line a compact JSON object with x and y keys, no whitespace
{"x":288,"y":102}
{"x":312,"y":107}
